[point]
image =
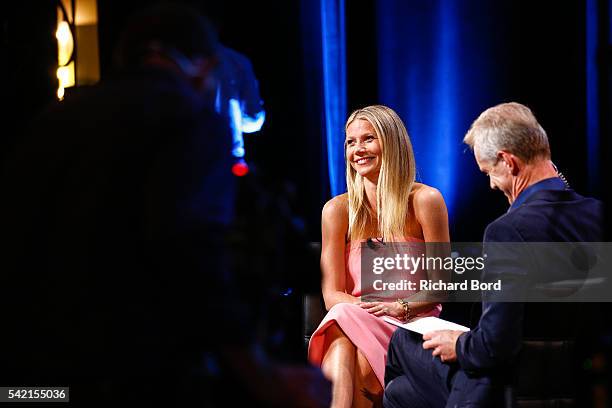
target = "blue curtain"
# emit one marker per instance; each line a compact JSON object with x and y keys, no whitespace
{"x":593,"y":44}
{"x":436,"y":69}
{"x":334,"y":89}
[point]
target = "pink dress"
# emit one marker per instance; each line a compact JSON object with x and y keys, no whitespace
{"x":370,"y":334}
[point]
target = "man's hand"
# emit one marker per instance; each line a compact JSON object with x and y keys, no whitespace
{"x":443,"y":344}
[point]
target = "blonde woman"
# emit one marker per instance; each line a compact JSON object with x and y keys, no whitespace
{"x":383,"y":202}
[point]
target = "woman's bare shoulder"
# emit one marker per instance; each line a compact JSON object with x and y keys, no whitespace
{"x":428,"y":203}
{"x":336,"y":206}
{"x":423,"y":195}
{"x":431,"y":213}
{"x":335,"y":214}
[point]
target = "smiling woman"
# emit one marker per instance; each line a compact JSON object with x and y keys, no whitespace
{"x":363,"y":148}
{"x":383,"y":202}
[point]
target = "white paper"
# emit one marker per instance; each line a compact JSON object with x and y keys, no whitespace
{"x":427,"y":324}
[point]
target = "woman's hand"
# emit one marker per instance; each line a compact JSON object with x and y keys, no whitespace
{"x":393,"y":309}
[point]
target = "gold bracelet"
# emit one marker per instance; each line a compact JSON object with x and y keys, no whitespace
{"x":407,"y":311}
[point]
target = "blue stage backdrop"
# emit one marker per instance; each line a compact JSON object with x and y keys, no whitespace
{"x":594,"y":43}
{"x":438,"y":65}
{"x":441,"y":63}
{"x":334,"y":89}
{"x":323,"y":43}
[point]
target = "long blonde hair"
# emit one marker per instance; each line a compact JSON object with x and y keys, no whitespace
{"x":395,"y":180}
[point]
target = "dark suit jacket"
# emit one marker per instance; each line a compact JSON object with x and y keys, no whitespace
{"x":544,"y":216}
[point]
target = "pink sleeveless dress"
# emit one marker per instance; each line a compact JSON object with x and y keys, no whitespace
{"x":370,"y":334}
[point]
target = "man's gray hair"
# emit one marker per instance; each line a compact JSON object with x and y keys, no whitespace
{"x":511,"y":127}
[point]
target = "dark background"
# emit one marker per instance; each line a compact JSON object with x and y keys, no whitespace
{"x":541,"y":64}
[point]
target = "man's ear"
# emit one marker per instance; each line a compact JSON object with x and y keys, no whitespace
{"x":510,"y":161}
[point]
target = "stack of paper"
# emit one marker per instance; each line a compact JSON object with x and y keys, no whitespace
{"x":427,"y":324}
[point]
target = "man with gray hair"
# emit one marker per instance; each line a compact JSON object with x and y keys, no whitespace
{"x":507,"y":139}
{"x":512,"y":149}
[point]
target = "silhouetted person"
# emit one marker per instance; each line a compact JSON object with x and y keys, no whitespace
{"x":115,"y":273}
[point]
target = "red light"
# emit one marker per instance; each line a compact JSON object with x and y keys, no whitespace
{"x":240,"y":169}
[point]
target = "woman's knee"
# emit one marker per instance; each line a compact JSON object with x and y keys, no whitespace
{"x":338,"y":345}
{"x":334,"y":337}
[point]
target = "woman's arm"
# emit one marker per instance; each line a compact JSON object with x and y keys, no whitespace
{"x":334,"y":225}
{"x":430,"y":211}
{"x":432,"y":215}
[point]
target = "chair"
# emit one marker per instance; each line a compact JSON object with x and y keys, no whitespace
{"x":543,"y":378}
{"x":313,"y":307}
{"x":313,"y":312}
